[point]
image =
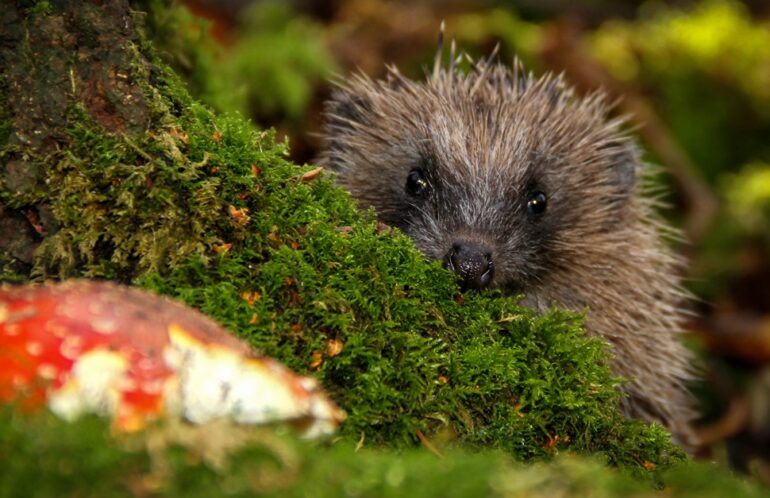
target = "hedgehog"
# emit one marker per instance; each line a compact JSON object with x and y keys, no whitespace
{"x":517,"y":182}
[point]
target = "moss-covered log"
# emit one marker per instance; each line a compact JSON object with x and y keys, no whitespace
{"x":110,"y":170}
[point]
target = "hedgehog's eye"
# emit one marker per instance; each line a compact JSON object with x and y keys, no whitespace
{"x":416,"y":184}
{"x":537,"y":202}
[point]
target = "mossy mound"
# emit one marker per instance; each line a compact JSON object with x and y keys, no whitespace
{"x":206,"y":209}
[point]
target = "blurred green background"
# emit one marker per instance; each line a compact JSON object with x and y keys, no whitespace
{"x":694,"y":76}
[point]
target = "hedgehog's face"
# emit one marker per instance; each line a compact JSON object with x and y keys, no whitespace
{"x":502,"y":184}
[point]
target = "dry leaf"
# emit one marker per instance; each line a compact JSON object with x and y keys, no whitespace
{"x":316,"y":361}
{"x":222,"y":248}
{"x":179,"y":135}
{"x":251,"y":297}
{"x":333,"y":348}
{"x":239,"y":215}
{"x":311,"y":175}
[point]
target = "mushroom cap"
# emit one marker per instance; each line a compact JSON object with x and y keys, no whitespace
{"x":97,"y":347}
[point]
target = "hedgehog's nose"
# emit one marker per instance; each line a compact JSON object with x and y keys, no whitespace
{"x":472,"y":263}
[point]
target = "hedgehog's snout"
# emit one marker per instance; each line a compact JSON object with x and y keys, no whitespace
{"x":472,"y":263}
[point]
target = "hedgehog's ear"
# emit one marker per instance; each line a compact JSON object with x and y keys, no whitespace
{"x":345,"y":113}
{"x":346,"y":110}
{"x":624,"y":161}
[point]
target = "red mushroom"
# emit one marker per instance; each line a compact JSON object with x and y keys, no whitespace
{"x":96,"y":347}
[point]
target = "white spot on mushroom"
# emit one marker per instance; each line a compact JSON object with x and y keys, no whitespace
{"x":56,"y":329}
{"x":21,"y":314}
{"x":309,"y":384}
{"x":326,"y":416}
{"x":205,"y":384}
{"x":34,"y":348}
{"x":259,"y":397}
{"x":47,"y":371}
{"x":71,"y":347}
{"x":104,"y":325}
{"x":92,"y":386}
{"x":152,"y":386}
{"x":173,"y":357}
{"x":172,"y":403}
{"x":127,"y":384}
{"x":146,"y":363}
{"x":96,"y":308}
{"x":215,"y":381}
{"x":12,"y":330}
{"x":68,"y":308}
{"x":19,"y":381}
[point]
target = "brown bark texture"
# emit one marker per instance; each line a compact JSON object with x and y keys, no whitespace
{"x":53,"y":56}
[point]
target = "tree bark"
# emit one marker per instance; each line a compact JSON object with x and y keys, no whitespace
{"x":57,"y":57}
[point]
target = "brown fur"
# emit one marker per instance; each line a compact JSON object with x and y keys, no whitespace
{"x":485,"y":141}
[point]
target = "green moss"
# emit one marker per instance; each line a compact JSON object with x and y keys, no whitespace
{"x":485,"y":373}
{"x":82,"y":459}
{"x":44,"y":456}
{"x":41,"y":8}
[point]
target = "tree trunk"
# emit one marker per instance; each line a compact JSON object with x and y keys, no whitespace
{"x":57,"y":58}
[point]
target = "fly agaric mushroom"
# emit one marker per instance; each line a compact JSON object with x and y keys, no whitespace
{"x":97,"y":347}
